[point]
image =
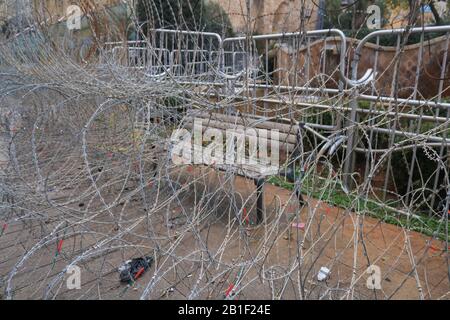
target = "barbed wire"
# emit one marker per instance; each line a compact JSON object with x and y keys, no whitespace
{"x":88,"y":178}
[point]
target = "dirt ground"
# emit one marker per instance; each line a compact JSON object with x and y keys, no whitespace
{"x":272,"y":260}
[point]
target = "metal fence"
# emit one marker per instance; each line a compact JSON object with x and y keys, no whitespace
{"x":394,"y":125}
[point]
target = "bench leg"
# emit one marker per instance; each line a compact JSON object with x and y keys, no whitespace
{"x":260,"y":200}
{"x":301,"y":201}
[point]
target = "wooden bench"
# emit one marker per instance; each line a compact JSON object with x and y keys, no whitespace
{"x":289,"y":140}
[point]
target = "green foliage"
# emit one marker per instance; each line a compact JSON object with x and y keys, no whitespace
{"x":391,"y":40}
{"x":351,"y":18}
{"x":430,"y":226}
{"x":174,"y":101}
{"x":410,"y":5}
{"x":216,"y":20}
{"x":423,"y":175}
{"x":332,"y":9}
{"x":197,"y":15}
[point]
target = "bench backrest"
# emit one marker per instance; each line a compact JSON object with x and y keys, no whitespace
{"x":287,"y":133}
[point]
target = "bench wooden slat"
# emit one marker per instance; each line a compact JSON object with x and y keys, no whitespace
{"x":286,"y":141}
{"x":247,"y":120}
{"x":251,"y":171}
{"x":287,"y":138}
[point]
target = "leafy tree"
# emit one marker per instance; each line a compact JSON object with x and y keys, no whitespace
{"x":414,"y":7}
{"x":198,"y":15}
{"x":352,"y":17}
{"x":332,"y":11}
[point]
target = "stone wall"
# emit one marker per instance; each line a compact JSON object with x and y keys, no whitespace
{"x":50,"y":9}
{"x":270,"y":16}
{"x":57,"y":8}
{"x":324,"y":61}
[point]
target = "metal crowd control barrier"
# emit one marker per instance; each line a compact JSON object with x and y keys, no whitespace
{"x":418,"y":117}
{"x":368,"y":76}
{"x":254,"y":64}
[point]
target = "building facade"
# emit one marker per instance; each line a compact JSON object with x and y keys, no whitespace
{"x":274,"y":16}
{"x":271,"y":16}
{"x":15,"y":10}
{"x":56,"y":9}
{"x":49,"y":10}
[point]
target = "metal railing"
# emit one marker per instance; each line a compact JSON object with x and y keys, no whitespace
{"x":303,"y":75}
